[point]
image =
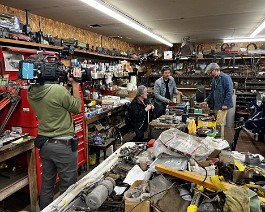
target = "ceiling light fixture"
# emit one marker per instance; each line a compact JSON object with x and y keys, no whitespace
{"x":258,"y":30}
{"x":110,"y":11}
{"x":242,"y":40}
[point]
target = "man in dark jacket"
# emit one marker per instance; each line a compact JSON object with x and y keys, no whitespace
{"x":220,"y":95}
{"x":140,"y":113}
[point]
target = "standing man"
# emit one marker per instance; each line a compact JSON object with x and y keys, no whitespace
{"x":164,"y":89}
{"x":53,"y":105}
{"x":220,"y":95}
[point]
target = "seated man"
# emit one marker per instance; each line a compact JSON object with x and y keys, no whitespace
{"x":139,"y":113}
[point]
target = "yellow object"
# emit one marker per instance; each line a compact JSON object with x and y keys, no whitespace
{"x":216,"y":180}
{"x":93,"y":102}
{"x":195,"y":178}
{"x":18,"y":141}
{"x":3,"y":165}
{"x":192,"y":208}
{"x":92,"y":159}
{"x":257,"y":187}
{"x":205,"y":124}
{"x":192,"y":127}
{"x":240,"y":166}
{"x":201,"y":188}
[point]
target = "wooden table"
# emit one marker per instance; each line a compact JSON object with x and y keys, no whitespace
{"x":103,"y":147}
{"x":16,"y":182}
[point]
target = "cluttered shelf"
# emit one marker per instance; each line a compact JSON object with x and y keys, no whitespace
{"x":104,"y":114}
{"x":203,"y":76}
{"x":18,"y":43}
{"x":18,"y":179}
{"x":217,"y":57}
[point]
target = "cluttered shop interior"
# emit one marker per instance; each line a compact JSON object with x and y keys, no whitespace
{"x":144,"y":106}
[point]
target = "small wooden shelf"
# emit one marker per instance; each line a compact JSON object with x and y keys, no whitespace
{"x":15,"y":182}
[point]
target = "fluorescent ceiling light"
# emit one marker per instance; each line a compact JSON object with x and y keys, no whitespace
{"x":108,"y":10}
{"x":258,"y":30}
{"x":239,"y":40}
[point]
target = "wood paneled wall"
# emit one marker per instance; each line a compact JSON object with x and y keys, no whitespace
{"x":63,"y":30}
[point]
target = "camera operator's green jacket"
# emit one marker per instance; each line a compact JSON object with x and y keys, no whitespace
{"x":52,"y":104}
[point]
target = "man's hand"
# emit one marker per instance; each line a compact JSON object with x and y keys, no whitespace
{"x":169,"y":101}
{"x":148,"y":107}
{"x":179,"y":92}
{"x":224,"y":107}
{"x":205,"y":104}
{"x":76,"y":74}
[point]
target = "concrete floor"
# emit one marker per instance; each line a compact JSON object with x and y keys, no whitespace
{"x":20,"y":200}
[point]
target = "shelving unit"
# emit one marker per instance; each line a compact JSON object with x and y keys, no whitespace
{"x":31,"y":45}
{"x":19,"y":179}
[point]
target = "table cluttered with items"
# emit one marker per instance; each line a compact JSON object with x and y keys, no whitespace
{"x":178,"y":172}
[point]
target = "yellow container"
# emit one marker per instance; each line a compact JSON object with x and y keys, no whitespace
{"x":92,"y":159}
{"x":205,"y":124}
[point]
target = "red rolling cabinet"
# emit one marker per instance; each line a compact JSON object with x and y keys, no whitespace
{"x":25,"y":120}
{"x":80,"y":132}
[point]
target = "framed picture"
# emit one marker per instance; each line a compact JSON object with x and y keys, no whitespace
{"x":167,"y":55}
{"x":12,"y":60}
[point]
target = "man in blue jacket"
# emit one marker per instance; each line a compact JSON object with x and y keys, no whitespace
{"x":164,"y":89}
{"x":220,"y":95}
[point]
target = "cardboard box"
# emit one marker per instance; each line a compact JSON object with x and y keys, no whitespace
{"x":178,"y":98}
{"x":132,"y":94}
{"x":141,"y":207}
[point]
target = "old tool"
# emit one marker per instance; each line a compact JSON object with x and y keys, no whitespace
{"x":195,"y":200}
{"x":12,"y":95}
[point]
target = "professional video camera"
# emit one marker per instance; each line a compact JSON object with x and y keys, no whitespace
{"x":40,"y":69}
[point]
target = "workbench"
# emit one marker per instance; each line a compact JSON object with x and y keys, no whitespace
{"x":107,"y":114}
{"x":17,"y":180}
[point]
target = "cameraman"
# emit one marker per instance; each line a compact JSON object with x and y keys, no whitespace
{"x":53,"y":105}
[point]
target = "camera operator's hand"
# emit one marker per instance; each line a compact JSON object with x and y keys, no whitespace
{"x":76,"y":74}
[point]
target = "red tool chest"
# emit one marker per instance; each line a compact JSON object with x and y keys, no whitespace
{"x":25,"y":120}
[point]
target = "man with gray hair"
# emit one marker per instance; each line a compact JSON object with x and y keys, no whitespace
{"x":220,"y":95}
{"x":139,"y":113}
